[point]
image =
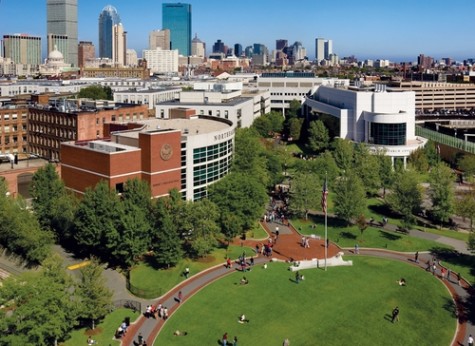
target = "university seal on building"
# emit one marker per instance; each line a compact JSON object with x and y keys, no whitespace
{"x":166,"y":152}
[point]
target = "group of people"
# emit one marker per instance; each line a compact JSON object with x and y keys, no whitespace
{"x":225,"y":342}
{"x":305,"y":242}
{"x":159,"y":311}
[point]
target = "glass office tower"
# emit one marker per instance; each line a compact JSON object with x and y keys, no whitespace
{"x":107,"y":19}
{"x":177,"y":18}
{"x":62,"y":20}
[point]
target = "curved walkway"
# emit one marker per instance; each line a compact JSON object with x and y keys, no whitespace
{"x":288,"y":246}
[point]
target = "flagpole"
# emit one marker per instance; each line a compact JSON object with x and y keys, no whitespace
{"x":326,"y":235}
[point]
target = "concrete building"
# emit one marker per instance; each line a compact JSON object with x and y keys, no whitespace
{"x":86,"y":51}
{"x":284,"y":87}
{"x":161,"y":61}
{"x":74,"y":120}
{"x":226,"y":100}
{"x":431,"y":96}
{"x":131,"y":58}
{"x":159,"y":39}
{"x":186,"y":152}
{"x":22,"y":49}
{"x":57,"y":42}
{"x":62,"y":19}
{"x":383,"y":119}
{"x":323,"y":49}
{"x":55,"y":66}
{"x":119,"y":45}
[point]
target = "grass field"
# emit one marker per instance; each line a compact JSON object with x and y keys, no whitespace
{"x":148,"y":277}
{"x":343,"y":305}
{"x":104,"y":332}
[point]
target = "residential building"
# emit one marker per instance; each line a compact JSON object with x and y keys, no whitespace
{"x":74,"y":120}
{"x":382,"y":118}
{"x":107,"y":19}
{"x":22,"y":49}
{"x":131,"y":58}
{"x":177,"y":18}
{"x":86,"y":51}
{"x":13,"y":135}
{"x":160,"y":39}
{"x":323,"y":49}
{"x":119,"y":45}
{"x":62,"y":19}
{"x":186,"y":152}
{"x":140,"y":72}
{"x":161,"y":61}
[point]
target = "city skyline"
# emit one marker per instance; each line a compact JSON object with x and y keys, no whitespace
{"x":368,"y":29}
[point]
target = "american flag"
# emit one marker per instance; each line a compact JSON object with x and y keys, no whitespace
{"x":324,"y":196}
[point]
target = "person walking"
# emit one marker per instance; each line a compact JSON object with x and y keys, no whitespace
{"x":286,"y":342}
{"x":297,"y":277}
{"x":470,"y":340}
{"x":459,"y":279}
{"x":416,"y":257}
{"x":395,"y":314}
{"x":187,"y":272}
{"x":235,"y":341}
{"x":225,"y":339}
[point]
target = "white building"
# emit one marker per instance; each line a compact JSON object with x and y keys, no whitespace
{"x":288,"y":86}
{"x":222,"y":100}
{"x":150,"y":97}
{"x":159,"y":39}
{"x":131,"y":58}
{"x":385,"y":120}
{"x":161,"y":61}
{"x":119,"y":40}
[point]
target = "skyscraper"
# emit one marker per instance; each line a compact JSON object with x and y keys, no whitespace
{"x":323,"y":49}
{"x":177,"y":18}
{"x":198,"y":47}
{"x":107,"y":19}
{"x":119,"y":45}
{"x":86,"y":51}
{"x":159,"y":38}
{"x":238,"y":49}
{"x":62,"y":19}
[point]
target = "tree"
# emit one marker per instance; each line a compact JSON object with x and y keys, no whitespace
{"x":294,"y":109}
{"x":305,"y":193}
{"x":167,"y":247}
{"x":94,"y":298}
{"x":343,"y":154}
{"x":386,"y":171}
{"x":20,"y":231}
{"x":318,"y":137}
{"x":96,"y":92}
{"x":41,"y":309}
{"x":276,"y":120}
{"x":366,"y":166}
{"x":240,"y":194}
{"x":406,"y":195}
{"x":97,"y":219}
{"x":467,"y":164}
{"x":46,"y":189}
{"x":465,"y":206}
{"x":263,"y":126}
{"x":204,"y":217}
{"x":231,"y":225}
{"x":350,"y":197}
{"x":295,"y":128}
{"x":418,"y":160}
{"x":442,"y":192}
{"x":361,"y":223}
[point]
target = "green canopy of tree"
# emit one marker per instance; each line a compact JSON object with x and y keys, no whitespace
{"x":418,"y":160}
{"x":367,"y":168}
{"x":20,"y":231}
{"x":467,"y":164}
{"x":242,"y":195}
{"x":305,"y":193}
{"x":168,"y":246}
{"x":318,"y":137}
{"x":465,"y":205}
{"x":94,"y":298}
{"x":343,"y":153}
{"x":41,"y":309}
{"x":442,"y":192}
{"x":349,"y":197}
{"x":295,"y":128}
{"x":294,"y":109}
{"x":406,"y":195}
{"x":96,"y":92}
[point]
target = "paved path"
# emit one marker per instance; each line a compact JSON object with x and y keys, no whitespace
{"x":288,"y":245}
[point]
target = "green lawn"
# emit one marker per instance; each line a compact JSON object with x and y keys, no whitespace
{"x":257,"y":232}
{"x":372,"y":237}
{"x":343,"y":305}
{"x":155,"y":282}
{"x":104,"y":332}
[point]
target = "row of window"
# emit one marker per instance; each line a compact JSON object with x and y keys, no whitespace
{"x":11,"y":140}
{"x":210,"y":172}
{"x":212,"y":152}
{"x":47,"y":118}
{"x":14,"y":116}
{"x":14,"y":128}
{"x":65,"y":134}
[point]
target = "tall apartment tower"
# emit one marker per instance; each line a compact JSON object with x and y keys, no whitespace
{"x":119,"y":45}
{"x":323,"y":49}
{"x":22,"y":49}
{"x":177,"y":18}
{"x":238,"y":49}
{"x":328,"y":49}
{"x":57,"y":42}
{"x":86,"y":51}
{"x":159,"y":38}
{"x":62,"y":20}
{"x":107,"y":19}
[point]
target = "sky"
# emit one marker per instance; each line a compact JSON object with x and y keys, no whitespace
{"x":368,"y":29}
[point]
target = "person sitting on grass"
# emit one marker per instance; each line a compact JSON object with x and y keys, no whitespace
{"x":244,"y":281}
{"x":242,"y":319}
{"x":402,"y":282}
{"x":179,"y":333}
